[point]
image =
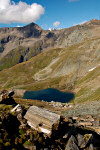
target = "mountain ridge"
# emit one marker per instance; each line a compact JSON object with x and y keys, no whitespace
{"x":30,"y":40}
{"x":71,"y":64}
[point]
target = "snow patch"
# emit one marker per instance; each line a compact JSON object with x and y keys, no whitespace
{"x":93,"y":68}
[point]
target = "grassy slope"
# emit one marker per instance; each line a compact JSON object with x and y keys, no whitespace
{"x":89,"y":88}
{"x":23,"y":73}
{"x":18,"y":55}
{"x":70,"y":72}
{"x":12,"y":58}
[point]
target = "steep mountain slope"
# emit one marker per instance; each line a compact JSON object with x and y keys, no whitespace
{"x":21,"y":44}
{"x":73,"y":66}
{"x":75,"y":69}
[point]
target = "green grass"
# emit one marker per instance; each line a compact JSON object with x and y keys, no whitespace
{"x":49,"y":83}
{"x":87,"y":95}
{"x":12,"y":58}
{"x":87,"y":85}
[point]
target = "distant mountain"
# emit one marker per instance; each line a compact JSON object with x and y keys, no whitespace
{"x":22,"y":43}
{"x":67,"y":59}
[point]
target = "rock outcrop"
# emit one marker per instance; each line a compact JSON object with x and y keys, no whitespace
{"x":30,"y":40}
{"x":88,"y":122}
{"x":65,"y":133}
{"x":6,"y":97}
{"x":43,"y":129}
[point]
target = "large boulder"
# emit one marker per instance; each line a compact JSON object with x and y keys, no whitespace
{"x":42,"y":119}
{"x":80,"y":139}
{"x":72,"y":144}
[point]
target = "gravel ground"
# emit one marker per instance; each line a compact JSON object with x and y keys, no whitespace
{"x":89,"y":108}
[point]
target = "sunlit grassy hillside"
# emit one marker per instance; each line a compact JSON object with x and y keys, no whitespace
{"x":67,"y":69}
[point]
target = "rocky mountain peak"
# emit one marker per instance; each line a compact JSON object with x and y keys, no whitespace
{"x":32,"y":26}
{"x":31,"y":30}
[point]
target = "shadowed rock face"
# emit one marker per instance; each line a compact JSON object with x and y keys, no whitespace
{"x":49,"y":95}
{"x":31,"y":30}
{"x":6,"y":97}
{"x":11,"y":124}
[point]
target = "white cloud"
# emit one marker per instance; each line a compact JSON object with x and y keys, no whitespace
{"x":56,"y":24}
{"x":19,"y":13}
{"x":18,"y":26}
{"x":73,"y":0}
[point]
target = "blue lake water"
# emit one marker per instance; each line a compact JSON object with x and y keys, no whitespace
{"x":49,"y":95}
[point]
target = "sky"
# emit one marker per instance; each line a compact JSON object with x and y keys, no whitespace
{"x":48,"y":13}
